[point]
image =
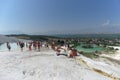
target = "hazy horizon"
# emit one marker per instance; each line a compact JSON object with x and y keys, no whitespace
{"x":48,"y":17}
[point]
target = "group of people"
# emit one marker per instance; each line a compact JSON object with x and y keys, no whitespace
{"x":72,"y":52}
{"x":21,"y":44}
{"x":57,"y":47}
{"x":35,"y":45}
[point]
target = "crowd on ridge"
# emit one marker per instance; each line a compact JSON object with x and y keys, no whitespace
{"x":57,"y":47}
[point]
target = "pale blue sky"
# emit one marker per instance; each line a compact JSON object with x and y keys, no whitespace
{"x":59,"y":16}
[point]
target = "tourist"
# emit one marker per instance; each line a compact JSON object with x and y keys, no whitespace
{"x":47,"y":45}
{"x":8,"y":46}
{"x":21,"y":45}
{"x":30,"y":46}
{"x":39,"y":45}
{"x":53,"y":45}
{"x":34,"y":45}
{"x":73,"y":53}
{"x":60,"y":51}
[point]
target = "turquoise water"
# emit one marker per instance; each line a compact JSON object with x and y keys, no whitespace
{"x":95,"y":48}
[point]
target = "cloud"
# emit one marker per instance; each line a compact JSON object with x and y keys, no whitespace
{"x":106,"y":23}
{"x":110,"y":24}
{"x":117,"y":25}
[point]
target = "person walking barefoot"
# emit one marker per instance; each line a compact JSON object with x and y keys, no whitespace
{"x":8,"y":46}
{"x":39,"y":45}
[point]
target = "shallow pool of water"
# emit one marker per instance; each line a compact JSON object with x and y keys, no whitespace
{"x":95,"y":48}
